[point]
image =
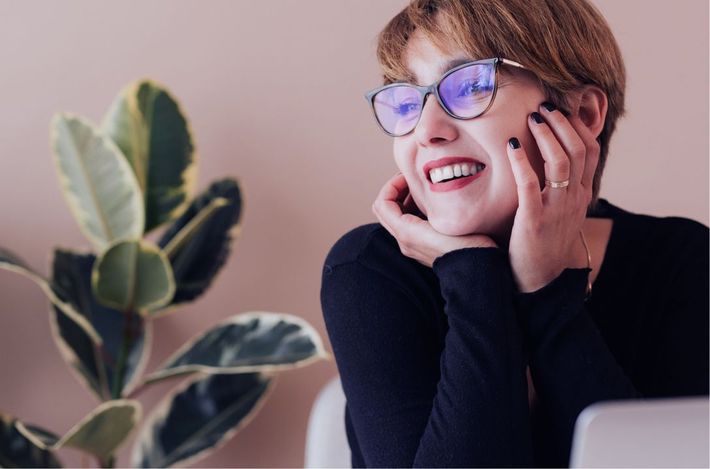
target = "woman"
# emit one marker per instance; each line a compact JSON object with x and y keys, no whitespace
{"x":498,"y":296}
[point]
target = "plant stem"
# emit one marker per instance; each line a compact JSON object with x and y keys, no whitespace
{"x":120,"y":370}
{"x":110,"y":461}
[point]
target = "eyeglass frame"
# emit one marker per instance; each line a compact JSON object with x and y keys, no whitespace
{"x":425,"y":91}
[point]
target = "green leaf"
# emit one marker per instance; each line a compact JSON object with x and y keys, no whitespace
{"x":147,"y":124}
{"x":133,"y":275}
{"x":41,"y":437}
{"x":17,"y":450}
{"x":12,"y":263}
{"x":249,"y":342}
{"x":198,"y":242}
{"x":197,"y":418}
{"x":99,"y":433}
{"x":97,"y":182}
{"x":71,"y":275}
{"x":104,"y":429}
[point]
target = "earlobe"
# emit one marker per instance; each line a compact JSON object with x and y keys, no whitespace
{"x":592,"y":107}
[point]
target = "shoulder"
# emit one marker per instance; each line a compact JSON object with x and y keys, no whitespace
{"x":660,"y":246}
{"x":371,"y":246}
{"x":368,"y":253}
{"x":656,"y":229}
{"x":356,"y":243}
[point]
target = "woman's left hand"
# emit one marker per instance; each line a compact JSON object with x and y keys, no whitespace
{"x":545,"y":238}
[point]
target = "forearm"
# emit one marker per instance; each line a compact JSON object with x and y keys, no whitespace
{"x":480,"y":414}
{"x":571,"y":364}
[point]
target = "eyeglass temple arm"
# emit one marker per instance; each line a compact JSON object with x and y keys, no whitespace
{"x":513,"y":63}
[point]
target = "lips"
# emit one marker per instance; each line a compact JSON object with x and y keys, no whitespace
{"x":453,"y":184}
{"x":445,"y":162}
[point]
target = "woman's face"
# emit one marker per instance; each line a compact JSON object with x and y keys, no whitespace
{"x":487,"y":204}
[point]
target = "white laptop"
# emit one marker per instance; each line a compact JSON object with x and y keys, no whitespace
{"x":643,"y":433}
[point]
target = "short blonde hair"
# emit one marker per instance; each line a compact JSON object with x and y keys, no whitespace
{"x":565,"y":43}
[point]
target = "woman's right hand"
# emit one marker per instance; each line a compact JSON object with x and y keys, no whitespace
{"x":415,"y":236}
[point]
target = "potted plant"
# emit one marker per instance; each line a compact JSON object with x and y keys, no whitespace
{"x":131,"y":176}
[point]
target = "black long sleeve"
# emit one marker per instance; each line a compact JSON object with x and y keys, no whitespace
{"x":432,"y":360}
{"x":571,"y":363}
{"x":477,"y":413}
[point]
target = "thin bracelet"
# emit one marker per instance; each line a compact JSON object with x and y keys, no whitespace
{"x":589,"y":265}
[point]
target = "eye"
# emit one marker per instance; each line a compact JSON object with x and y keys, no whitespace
{"x":407,"y":108}
{"x":473,"y":87}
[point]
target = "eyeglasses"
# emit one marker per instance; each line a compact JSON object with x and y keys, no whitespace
{"x":464,"y":92}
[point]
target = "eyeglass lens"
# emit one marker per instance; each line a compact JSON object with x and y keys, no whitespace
{"x":465,"y":93}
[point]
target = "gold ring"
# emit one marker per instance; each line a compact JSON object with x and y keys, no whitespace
{"x":555,"y":185}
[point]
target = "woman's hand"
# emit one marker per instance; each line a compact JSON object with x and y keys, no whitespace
{"x":415,"y":236}
{"x":545,"y":238}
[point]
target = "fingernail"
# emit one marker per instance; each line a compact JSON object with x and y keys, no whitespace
{"x":514,"y":143}
{"x":549,"y":106}
{"x":537,"y":117}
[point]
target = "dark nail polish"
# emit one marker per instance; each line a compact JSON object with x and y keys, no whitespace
{"x":514,"y":143}
{"x":549,"y":106}
{"x":537,"y":117}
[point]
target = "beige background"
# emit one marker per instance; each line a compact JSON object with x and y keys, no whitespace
{"x":274,"y":93}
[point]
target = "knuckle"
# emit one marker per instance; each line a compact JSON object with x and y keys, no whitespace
{"x":578,"y":150}
{"x":594,"y":147}
{"x":560,"y":164}
{"x":529,"y":184}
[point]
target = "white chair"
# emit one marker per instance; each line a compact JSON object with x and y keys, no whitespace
{"x":326,"y":441}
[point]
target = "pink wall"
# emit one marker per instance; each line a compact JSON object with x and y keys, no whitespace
{"x":274,"y":94}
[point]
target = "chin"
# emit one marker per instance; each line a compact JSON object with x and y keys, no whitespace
{"x":452,"y":226}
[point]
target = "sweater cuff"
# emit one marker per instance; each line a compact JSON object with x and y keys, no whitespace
{"x":555,"y":303}
{"x":474,"y":274}
{"x":481,"y":259}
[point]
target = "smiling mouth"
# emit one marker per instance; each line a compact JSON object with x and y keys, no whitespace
{"x":454,"y":171}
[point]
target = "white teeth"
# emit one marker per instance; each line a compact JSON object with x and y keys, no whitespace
{"x":447,"y":172}
{"x":454,"y":170}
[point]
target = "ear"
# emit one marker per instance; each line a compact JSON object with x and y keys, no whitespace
{"x":591,"y":105}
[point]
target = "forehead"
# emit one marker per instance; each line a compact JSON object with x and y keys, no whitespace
{"x":426,"y":62}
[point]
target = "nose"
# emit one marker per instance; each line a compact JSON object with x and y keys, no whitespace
{"x":435,"y":126}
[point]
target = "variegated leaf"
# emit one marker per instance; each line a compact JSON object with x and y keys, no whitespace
{"x":133,"y":275}
{"x":248,"y":342}
{"x":17,"y":450}
{"x":198,"y":243}
{"x":147,"y":124}
{"x":197,"y":418}
{"x":71,"y":273}
{"x":97,"y":181}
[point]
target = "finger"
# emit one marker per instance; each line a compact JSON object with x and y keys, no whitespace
{"x":526,"y":180}
{"x":387,"y":206}
{"x":407,"y":229}
{"x":394,"y":189}
{"x":570,"y":140}
{"x":557,"y":163}
{"x":592,"y":151}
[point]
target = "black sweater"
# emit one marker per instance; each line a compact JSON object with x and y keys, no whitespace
{"x":433,"y":360}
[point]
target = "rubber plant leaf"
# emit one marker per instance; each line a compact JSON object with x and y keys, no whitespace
{"x":197,"y":418}
{"x":71,"y":274}
{"x":147,"y":124}
{"x":198,"y":243}
{"x":17,"y":450}
{"x":97,"y":182}
{"x":249,"y":342}
{"x":133,"y":275}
